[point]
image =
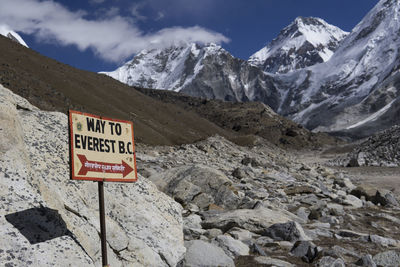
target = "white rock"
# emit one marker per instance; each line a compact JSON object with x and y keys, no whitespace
{"x":143,"y":224}
{"x":192,"y":221}
{"x":200,"y":253}
{"x":353,"y":201}
{"x":231,"y":246}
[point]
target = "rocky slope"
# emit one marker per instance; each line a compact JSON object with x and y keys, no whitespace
{"x":381,"y":149}
{"x":305,"y":42}
{"x":248,"y":119}
{"x":48,"y":220}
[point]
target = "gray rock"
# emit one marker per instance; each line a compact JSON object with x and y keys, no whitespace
{"x":328,"y":261}
{"x":197,"y":184}
{"x":303,"y":213}
{"x":299,"y":189}
{"x":305,"y":250}
{"x":241,"y":234}
{"x":289,"y":231}
{"x":192,"y":221}
{"x":212,"y":233}
{"x":238,"y":173}
{"x":350,"y":234}
{"x":383,"y":241}
{"x":385,"y":197}
{"x":248,"y":161}
{"x":200,"y":253}
{"x":193,"y":233}
{"x":353,"y":201}
{"x":268,"y":261}
{"x":264,"y":241}
{"x":366,"y":260}
{"x":388,"y":258}
{"x":257,"y":250}
{"x":231,"y":246}
{"x":335,"y":209}
{"x":253,"y":220}
{"x":381,"y":196}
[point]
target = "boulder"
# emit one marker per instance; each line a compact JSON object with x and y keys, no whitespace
{"x":329,"y":261}
{"x":231,"y":246}
{"x":385,"y":198}
{"x":268,"y":261}
{"x":197,"y":184}
{"x":289,"y":231}
{"x":241,"y":234}
{"x":299,"y":189}
{"x":387,"y":258}
{"x":305,"y":250}
{"x":366,"y":260}
{"x":253,"y":220}
{"x":352,"y":201}
{"x":383,"y":241}
{"x":192,"y":221}
{"x":376,"y":196}
{"x":200,"y":253}
{"x":46,"y":218}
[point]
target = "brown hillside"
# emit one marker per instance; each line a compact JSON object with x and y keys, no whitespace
{"x":248,"y":118}
{"x":51,"y":85}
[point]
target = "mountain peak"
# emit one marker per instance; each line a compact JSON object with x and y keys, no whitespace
{"x":170,"y":68}
{"x":305,"y":42}
{"x":7,"y":32}
{"x":301,"y":21}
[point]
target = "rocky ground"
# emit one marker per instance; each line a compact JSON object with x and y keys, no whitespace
{"x":262,"y":206}
{"x":228,"y":205}
{"x":380,"y":150}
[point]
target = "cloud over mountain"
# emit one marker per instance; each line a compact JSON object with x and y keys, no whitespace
{"x":113,"y":38}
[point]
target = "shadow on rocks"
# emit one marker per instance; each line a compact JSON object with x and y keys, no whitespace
{"x":39,"y":224}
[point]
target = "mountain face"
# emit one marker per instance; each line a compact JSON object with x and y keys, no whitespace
{"x":206,"y":71}
{"x":7,"y":32}
{"x":357,"y":90}
{"x":305,"y":42}
{"x":354,"y":93}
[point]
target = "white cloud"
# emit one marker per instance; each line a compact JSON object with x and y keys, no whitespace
{"x":112,"y":38}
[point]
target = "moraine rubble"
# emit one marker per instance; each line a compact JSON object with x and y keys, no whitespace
{"x":260,"y":206}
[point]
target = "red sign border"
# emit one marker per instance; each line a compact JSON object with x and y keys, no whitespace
{"x":71,"y":148}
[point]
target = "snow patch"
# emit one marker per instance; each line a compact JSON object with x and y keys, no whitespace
{"x":373,"y":117}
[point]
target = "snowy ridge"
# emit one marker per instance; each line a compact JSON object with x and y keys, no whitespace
{"x":351,"y":86}
{"x":166,"y":69}
{"x":7,"y":32}
{"x":303,"y":43}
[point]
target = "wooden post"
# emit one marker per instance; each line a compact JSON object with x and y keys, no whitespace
{"x":102,"y":224}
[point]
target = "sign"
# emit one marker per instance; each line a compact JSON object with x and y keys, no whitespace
{"x":102,"y":149}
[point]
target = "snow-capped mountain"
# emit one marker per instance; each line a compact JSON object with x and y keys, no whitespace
{"x":7,"y":32}
{"x":357,"y":90}
{"x":199,"y":70}
{"x":305,"y":42}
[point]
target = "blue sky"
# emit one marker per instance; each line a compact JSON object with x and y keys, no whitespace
{"x":100,"y":35}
